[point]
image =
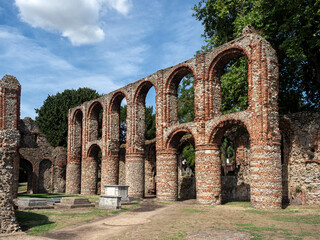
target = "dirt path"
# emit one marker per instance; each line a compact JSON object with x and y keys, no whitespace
{"x":188,"y":220}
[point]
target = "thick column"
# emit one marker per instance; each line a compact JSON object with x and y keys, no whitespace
{"x":266,"y":180}
{"x":73,"y":176}
{"x":167,"y":175}
{"x":208,"y":174}
{"x":110,"y":169}
{"x":135,"y":174}
{"x":89,"y":176}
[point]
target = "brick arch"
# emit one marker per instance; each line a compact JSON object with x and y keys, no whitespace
{"x":30,"y":168}
{"x":76,"y":115}
{"x":220,"y":128}
{"x":142,"y":91}
{"x":45,"y":175}
{"x":171,"y":88}
{"x":175,"y":136}
{"x":114,"y":104}
{"x":93,"y":120}
{"x":92,"y":150}
{"x":214,"y":73}
{"x":89,"y":173}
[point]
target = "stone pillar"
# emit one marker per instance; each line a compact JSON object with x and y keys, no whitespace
{"x":59,"y":169}
{"x":73,"y":177}
{"x":208,"y":174}
{"x":10,"y":91}
{"x":89,"y":176}
{"x":135,"y":174}
{"x":167,"y":175}
{"x":266,"y":181}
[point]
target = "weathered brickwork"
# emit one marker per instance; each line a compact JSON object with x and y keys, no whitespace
{"x":301,"y":158}
{"x":260,"y":120}
{"x":10,"y":90}
{"x":44,"y":164}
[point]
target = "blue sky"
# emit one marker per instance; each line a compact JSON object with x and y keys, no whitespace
{"x":53,"y":45}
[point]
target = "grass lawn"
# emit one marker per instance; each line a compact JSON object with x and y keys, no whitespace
{"x":38,"y":221}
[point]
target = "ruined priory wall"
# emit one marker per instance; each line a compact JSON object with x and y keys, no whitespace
{"x":10,"y":90}
{"x":301,"y":160}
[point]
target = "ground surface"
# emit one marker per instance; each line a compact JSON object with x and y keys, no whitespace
{"x":188,"y":220}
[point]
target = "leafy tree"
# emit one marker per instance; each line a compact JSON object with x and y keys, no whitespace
{"x":188,"y":153}
{"x":52,"y":116}
{"x":186,"y":99}
{"x":292,"y":28}
{"x":150,"y":124}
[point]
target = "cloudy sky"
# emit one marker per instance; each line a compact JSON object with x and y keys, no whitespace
{"x":53,"y":45}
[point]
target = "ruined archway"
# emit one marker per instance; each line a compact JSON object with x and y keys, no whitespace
{"x":73,"y":175}
{"x":45,"y":176}
{"x":91,"y":171}
{"x":95,"y":116}
{"x":26,"y":174}
{"x":171,"y":87}
{"x":168,"y":165}
{"x":116,"y":135}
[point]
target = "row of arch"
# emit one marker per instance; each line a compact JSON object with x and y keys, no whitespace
{"x":260,"y":120}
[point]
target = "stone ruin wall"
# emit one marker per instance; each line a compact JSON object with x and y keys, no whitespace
{"x":261,"y":120}
{"x":10,"y":90}
{"x":301,"y":158}
{"x":46,"y":172}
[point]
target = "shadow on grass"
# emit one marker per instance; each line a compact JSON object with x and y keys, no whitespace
{"x":33,"y":223}
{"x":44,"y":195}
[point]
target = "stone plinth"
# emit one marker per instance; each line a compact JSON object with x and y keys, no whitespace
{"x":110,"y":202}
{"x":33,"y":203}
{"x":117,"y":190}
{"x":74,"y":202}
{"x":114,"y":196}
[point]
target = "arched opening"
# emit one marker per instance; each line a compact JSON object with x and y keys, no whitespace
{"x":73,"y":174}
{"x":91,"y":174}
{"x":26,"y":176}
{"x":286,"y":145}
{"x":45,"y":176}
{"x":145,"y":134}
{"x":117,"y":132}
{"x":182,"y":180}
{"x":233,"y":141}
{"x":229,"y":76}
{"x":186,"y":168}
{"x":180,"y":92}
{"x":95,"y":121}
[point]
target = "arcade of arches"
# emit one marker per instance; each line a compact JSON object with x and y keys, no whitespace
{"x":260,"y":120}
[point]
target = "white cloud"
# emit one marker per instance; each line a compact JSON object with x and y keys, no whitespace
{"x":122,"y":6}
{"x":77,"y":20}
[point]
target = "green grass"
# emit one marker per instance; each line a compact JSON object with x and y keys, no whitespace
{"x":23,"y":188}
{"x":262,"y":212}
{"x":238,"y":204}
{"x":308,"y":219}
{"x":257,"y":231}
{"x":38,"y":221}
{"x":189,"y":210}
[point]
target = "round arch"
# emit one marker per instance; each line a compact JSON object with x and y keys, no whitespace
{"x":142,"y":91}
{"x":171,"y":91}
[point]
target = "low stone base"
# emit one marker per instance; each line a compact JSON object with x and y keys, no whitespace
{"x":74,"y":202}
{"x":33,"y":203}
{"x":110,"y":202}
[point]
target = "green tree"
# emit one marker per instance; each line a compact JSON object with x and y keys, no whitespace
{"x":52,"y":116}
{"x":292,"y":28}
{"x":150,"y":123}
{"x":186,"y":99}
{"x":123,"y":124}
